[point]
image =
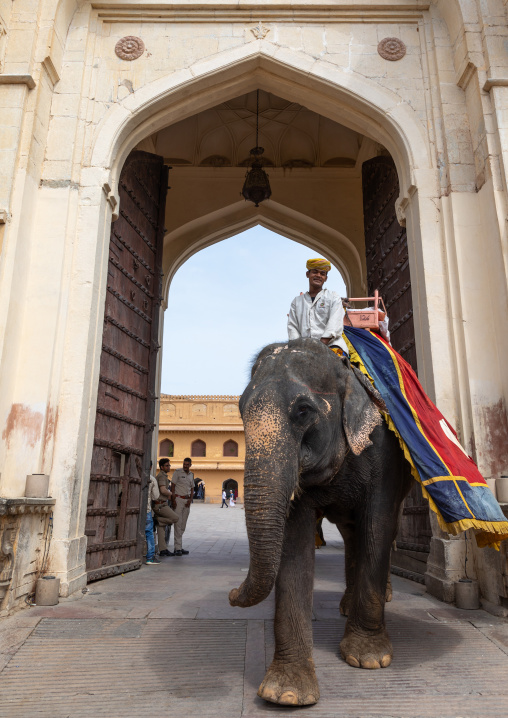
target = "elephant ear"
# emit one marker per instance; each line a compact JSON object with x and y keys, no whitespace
{"x":370,"y":389}
{"x":360,"y":414}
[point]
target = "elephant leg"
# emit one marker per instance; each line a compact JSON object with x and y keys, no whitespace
{"x":347,"y":529}
{"x":291,"y":678}
{"x":366,"y":643}
{"x":389,"y":590}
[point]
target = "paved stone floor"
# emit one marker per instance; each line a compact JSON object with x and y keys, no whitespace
{"x":163,"y":641}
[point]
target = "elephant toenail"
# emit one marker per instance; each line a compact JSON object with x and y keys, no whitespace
{"x":268,"y":695}
{"x":386,"y":660}
{"x":353,"y":661}
{"x":370,"y":664}
{"x":288,"y":698}
{"x":310,"y":700}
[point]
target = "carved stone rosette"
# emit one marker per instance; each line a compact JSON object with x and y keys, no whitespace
{"x":391,"y":48}
{"x":129,"y":48}
{"x":260,"y":31}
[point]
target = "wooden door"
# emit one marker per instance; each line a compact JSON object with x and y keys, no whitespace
{"x":388,"y":271}
{"x":115,"y":520}
{"x":387,"y":255}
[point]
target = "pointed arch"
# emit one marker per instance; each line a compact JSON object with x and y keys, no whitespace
{"x":198,"y":448}
{"x":240,"y":216}
{"x":230,"y":448}
{"x":166,"y":448}
{"x":345,"y":97}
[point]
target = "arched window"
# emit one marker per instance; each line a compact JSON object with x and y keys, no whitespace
{"x":166,"y":448}
{"x":199,"y":409}
{"x":230,"y":448}
{"x":231,"y":485}
{"x":198,"y":448}
{"x":231,"y":410}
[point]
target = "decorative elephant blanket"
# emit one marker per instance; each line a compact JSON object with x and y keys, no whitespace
{"x":450,"y":479}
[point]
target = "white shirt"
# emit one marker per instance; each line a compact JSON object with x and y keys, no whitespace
{"x":318,"y":319}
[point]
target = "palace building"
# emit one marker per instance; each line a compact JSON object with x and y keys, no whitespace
{"x":126,"y":130}
{"x":209,"y":430}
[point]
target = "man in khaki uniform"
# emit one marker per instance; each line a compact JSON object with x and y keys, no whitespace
{"x":164,"y":514}
{"x":182,"y":491}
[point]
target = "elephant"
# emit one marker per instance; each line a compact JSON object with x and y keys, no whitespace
{"x":317,"y":444}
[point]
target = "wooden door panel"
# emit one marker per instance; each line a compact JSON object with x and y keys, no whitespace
{"x":118,"y":401}
{"x":387,"y":253}
{"x":125,"y":403}
{"x":388,"y":271}
{"x":120,"y":375}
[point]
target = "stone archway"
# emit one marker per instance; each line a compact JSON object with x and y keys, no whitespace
{"x":354,"y":101}
{"x":205,"y":228}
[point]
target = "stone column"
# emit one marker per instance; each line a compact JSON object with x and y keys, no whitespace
{"x":445,"y":564}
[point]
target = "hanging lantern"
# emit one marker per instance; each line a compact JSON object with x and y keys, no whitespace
{"x":256,"y":187}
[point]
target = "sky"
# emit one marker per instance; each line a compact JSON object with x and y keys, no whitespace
{"x":225,"y":304}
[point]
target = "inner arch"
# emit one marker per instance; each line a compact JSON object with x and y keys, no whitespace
{"x":184,"y":242}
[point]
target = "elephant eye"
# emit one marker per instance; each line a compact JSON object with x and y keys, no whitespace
{"x":303,"y":410}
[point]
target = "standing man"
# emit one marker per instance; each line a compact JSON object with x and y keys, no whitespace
{"x":182,"y":486}
{"x":163,"y":513}
{"x":153,"y":495}
{"x":318,"y":313}
{"x":224,"y":496}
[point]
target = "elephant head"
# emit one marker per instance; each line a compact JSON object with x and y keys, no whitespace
{"x":303,"y":411}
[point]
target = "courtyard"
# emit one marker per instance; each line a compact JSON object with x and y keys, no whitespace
{"x":163,"y":641}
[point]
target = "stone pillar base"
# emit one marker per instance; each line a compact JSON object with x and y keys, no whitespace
{"x":68,"y":563}
{"x":494,"y":608}
{"x":445,"y":566}
{"x":440,"y":588}
{"x":24,"y":537}
{"x":75,"y":584}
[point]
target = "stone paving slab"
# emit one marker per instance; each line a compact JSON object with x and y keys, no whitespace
{"x":164,"y":641}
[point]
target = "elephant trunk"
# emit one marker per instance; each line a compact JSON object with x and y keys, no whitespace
{"x":267,"y":499}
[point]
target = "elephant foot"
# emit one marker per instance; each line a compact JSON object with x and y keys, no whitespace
{"x":366,"y":651}
{"x":290,"y":684}
{"x":388,"y":592}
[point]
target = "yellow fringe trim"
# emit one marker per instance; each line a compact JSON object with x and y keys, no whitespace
{"x":489,"y":533}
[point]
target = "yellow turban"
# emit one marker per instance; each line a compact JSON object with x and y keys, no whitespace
{"x":321,"y":264}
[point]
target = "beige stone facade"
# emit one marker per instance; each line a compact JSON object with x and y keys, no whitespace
{"x":72,"y":109}
{"x":209,"y":430}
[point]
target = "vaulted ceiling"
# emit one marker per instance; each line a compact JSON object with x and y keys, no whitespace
{"x":292,"y":136}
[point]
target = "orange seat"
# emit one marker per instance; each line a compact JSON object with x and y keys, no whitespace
{"x":367,"y":318}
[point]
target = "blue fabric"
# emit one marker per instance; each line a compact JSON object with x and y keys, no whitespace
{"x":459,"y":493}
{"x":150,"y":541}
